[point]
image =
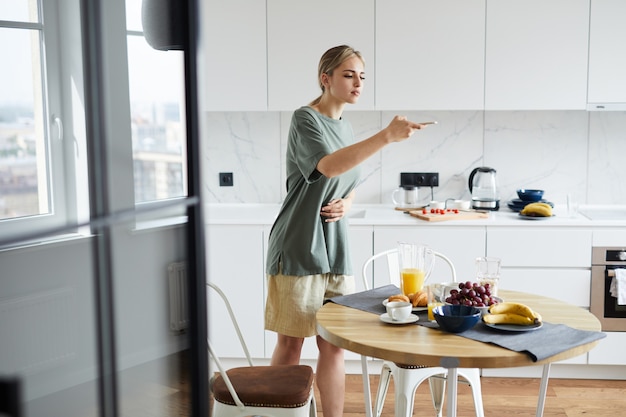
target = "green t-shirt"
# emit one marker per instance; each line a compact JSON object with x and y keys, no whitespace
{"x":300,"y":239}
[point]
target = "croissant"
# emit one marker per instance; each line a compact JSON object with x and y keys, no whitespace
{"x":419,"y":299}
{"x":399,"y":297}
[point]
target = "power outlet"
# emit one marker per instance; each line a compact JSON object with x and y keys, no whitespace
{"x":419,"y":179}
{"x":226,"y":179}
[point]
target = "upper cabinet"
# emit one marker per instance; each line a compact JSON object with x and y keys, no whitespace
{"x":299,"y":32}
{"x":419,"y":54}
{"x":233,"y":70}
{"x":430,"y":54}
{"x":607,"y":55}
{"x":536,"y":54}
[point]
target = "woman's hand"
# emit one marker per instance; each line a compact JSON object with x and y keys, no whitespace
{"x":400,"y":128}
{"x":336,"y":209}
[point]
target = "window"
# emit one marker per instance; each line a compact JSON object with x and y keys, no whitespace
{"x":157,"y":114}
{"x":30,"y":189}
{"x":40,"y":170}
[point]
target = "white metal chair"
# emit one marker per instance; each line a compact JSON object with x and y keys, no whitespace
{"x":274,"y":391}
{"x":407,"y":377}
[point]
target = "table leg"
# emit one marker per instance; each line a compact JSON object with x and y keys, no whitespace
{"x":366,"y":386}
{"x":452,"y":388}
{"x":543,"y":388}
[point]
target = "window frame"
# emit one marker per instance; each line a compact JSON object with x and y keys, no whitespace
{"x":61,"y":216}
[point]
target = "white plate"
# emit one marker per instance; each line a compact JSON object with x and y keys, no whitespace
{"x":413,"y":309}
{"x":514,"y":327}
{"x":411,"y":319}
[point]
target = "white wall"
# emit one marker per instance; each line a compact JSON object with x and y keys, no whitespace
{"x":58,"y":350}
{"x":561,"y":152}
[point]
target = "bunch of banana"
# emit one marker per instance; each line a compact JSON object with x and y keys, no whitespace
{"x":508,"y":312}
{"x":537,"y":210}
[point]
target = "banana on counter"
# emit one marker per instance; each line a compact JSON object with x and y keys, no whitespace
{"x":508,"y":312}
{"x":537,"y":210}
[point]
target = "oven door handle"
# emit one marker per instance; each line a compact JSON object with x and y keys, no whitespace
{"x":611,"y":272}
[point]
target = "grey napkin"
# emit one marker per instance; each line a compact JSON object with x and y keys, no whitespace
{"x":539,"y":344}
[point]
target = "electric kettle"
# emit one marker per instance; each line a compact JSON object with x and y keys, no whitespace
{"x":484,"y":189}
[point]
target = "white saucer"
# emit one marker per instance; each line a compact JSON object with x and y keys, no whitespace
{"x":411,"y":319}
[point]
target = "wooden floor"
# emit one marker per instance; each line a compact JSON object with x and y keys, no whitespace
{"x":161,"y":389}
{"x":502,"y":397}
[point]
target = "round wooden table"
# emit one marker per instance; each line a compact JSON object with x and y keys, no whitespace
{"x":363,"y":332}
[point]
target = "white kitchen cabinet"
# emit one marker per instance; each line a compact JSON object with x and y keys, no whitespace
{"x":610,"y":350}
{"x":430,"y":54}
{"x":299,"y":32}
{"x":461,"y":244}
{"x":607,"y":55}
{"x":235,"y":263}
{"x":547,"y":261}
{"x":362,"y":248}
{"x":233,"y":68}
{"x":569,"y":285}
{"x":536,"y":54}
{"x":540,"y":246}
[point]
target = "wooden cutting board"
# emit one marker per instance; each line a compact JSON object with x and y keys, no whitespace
{"x":438,"y":217}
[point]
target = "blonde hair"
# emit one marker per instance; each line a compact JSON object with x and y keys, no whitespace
{"x":330,"y":60}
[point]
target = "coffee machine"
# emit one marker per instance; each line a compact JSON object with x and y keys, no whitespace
{"x":484,"y":189}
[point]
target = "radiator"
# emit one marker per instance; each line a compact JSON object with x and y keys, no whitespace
{"x":179,"y":313}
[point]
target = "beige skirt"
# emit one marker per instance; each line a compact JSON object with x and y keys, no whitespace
{"x":293,"y":301}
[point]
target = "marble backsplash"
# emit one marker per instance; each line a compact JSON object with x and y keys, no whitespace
{"x":563,"y":152}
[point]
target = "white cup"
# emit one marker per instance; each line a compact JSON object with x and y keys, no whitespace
{"x":437,"y":204}
{"x":458,"y":204}
{"x":399,"y":310}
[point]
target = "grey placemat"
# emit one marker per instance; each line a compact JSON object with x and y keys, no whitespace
{"x":370,"y":300}
{"x":539,"y":344}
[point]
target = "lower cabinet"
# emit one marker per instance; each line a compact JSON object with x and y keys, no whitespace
{"x":610,"y":350}
{"x":549,"y":261}
{"x":553,"y":262}
{"x":235,"y":263}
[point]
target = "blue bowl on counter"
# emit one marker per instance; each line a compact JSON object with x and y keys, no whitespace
{"x":530,"y":195}
{"x":456,"y":318}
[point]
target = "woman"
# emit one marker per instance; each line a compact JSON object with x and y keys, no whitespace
{"x":308,"y":256}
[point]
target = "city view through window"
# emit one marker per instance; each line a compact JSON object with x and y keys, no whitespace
{"x":156,"y":93}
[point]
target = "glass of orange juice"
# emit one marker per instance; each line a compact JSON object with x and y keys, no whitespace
{"x":434,"y":292}
{"x":412,"y":280}
{"x":416,"y":262}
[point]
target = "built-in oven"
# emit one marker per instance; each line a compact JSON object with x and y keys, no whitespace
{"x":604,"y":262}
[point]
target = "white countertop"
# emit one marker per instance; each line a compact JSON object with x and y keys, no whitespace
{"x":380,"y":214}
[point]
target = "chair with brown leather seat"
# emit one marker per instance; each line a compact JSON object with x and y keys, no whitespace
{"x":274,"y":391}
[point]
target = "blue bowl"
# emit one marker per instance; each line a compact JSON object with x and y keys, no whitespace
{"x":530,"y":195}
{"x":456,"y":318}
